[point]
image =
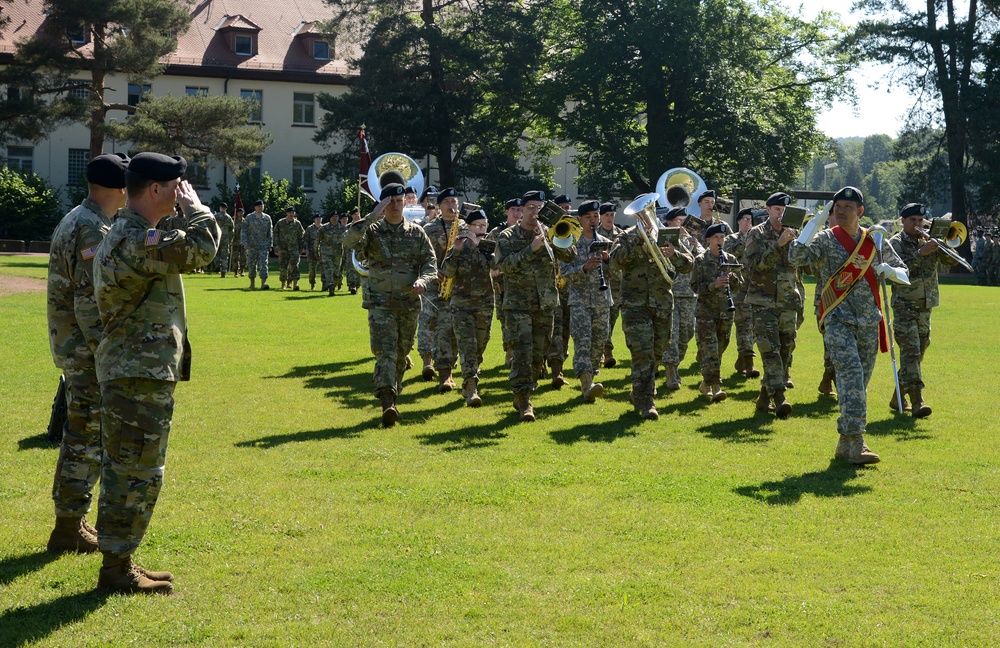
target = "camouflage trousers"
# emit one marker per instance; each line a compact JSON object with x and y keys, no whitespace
{"x":257,"y":263}
{"x":425,"y":330}
{"x":912,"y":332}
{"x":712,"y":335}
{"x":498,"y":307}
{"x":135,"y":422}
{"x":313,"y":267}
{"x":647,"y":333}
{"x":744,"y":329}
{"x":853,"y":350}
{"x":589,"y":329}
{"x":391,"y":334}
{"x":609,"y":346}
{"x":79,"y":463}
{"x":353,"y":278}
{"x":330,"y":270}
{"x":774,"y":330}
{"x":682,"y":330}
{"x":443,"y":331}
{"x":222,"y":256}
{"x":239,"y":257}
{"x":472,"y":329}
{"x":559,"y":344}
{"x":528,"y":333}
{"x":289,"y":264}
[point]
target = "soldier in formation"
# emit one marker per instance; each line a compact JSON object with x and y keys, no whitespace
{"x":559,"y":343}
{"x":330,"y":250}
{"x":227,"y":226}
{"x":610,"y":231}
{"x":743,"y":318}
{"x":256,"y":239}
{"x":312,"y":251}
{"x":685,"y":299}
{"x":239,"y":254}
{"x":289,"y":239}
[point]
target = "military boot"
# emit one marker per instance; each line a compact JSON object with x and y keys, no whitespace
{"x":609,"y":359}
{"x":782,"y":407}
{"x":119,"y":574}
{"x":859,"y":453}
{"x":445,"y":381}
{"x":263,"y":285}
{"x":826,"y":383}
{"x":751,"y":371}
{"x":71,"y":535}
{"x":919,"y":408}
{"x":647,"y":410}
{"x":788,"y":381}
{"x":312,"y":285}
{"x":409,"y":362}
{"x":558,"y":379}
{"x":471,"y":393}
{"x":591,"y":391}
{"x":894,"y":403}
{"x":295,"y":285}
{"x":253,"y":283}
{"x":329,"y":291}
{"x":283,"y":284}
{"x":718,"y":395}
{"x":706,"y":390}
{"x":741,"y":365}
{"x":764,"y":401}
{"x":389,"y":412}
{"x":427,"y":373}
{"x":222,"y":274}
{"x":673,"y":378}
{"x":522,"y":403}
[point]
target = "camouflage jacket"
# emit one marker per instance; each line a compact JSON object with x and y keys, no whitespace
{"x":529,"y":277}
{"x":584,"y":287}
{"x":173,"y":222}
{"x":772,"y":280}
{"x":238,"y":230}
{"x":682,"y":281}
{"x":312,"y":232}
{"x":922,"y":293}
{"x":494,"y":235}
{"x":712,"y":300}
{"x":74,"y":321}
{"x":642,"y":283}
{"x":330,"y":240}
{"x":289,"y":235}
{"x":398,"y":256}
{"x":437,"y":231}
{"x":256,"y":231}
{"x":827,"y":255}
{"x":980,"y":250}
{"x":137,"y":281}
{"x":736,"y":244}
{"x":471,"y":270}
{"x":614,"y":275}
{"x":226,"y":225}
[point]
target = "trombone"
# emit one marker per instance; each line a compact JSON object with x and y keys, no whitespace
{"x":956,"y":236}
{"x":644,"y":210}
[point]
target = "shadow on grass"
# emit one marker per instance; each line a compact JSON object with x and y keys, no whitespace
{"x":901,"y":426}
{"x":341,"y":380}
{"x":37,"y":442}
{"x":755,"y":428}
{"x":24,"y":625}
{"x":275,"y":440}
{"x":17,"y":566}
{"x":832,"y":482}
{"x":600,"y":431}
{"x":472,"y":437}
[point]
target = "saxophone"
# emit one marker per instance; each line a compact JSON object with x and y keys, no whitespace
{"x":448,"y":283}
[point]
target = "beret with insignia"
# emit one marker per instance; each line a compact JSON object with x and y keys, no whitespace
{"x":779,"y":198}
{"x":674,"y":212}
{"x":447,"y":193}
{"x":588,"y":206}
{"x":533,"y":195}
{"x":717,"y":228}
{"x":562,"y":199}
{"x":108,"y":170}
{"x":157,"y":166}
{"x":513,"y":202}
{"x":390,"y":190}
{"x":474,"y":215}
{"x":411,"y":190}
{"x":746,"y":211}
{"x":708,"y":193}
{"x":850,"y":193}
{"x":607,"y":207}
{"x":913,"y":209}
{"x":431,"y":190}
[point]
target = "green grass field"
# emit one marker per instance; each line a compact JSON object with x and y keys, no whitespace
{"x":291,"y":518}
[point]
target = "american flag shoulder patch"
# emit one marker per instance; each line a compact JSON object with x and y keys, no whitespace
{"x":89,"y":253}
{"x":153,"y":237}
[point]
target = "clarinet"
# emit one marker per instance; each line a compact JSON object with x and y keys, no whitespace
{"x":600,"y":247}
{"x":724,"y":272}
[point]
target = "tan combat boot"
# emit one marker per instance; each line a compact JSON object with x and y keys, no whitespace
{"x":764,"y":401}
{"x":609,"y":359}
{"x":717,"y":394}
{"x":445,"y":381}
{"x":826,"y":383}
{"x":859,"y":453}
{"x":706,"y":390}
{"x":471,"y":393}
{"x":119,"y":574}
{"x":751,"y":370}
{"x":648,"y":411}
{"x":919,"y":408}
{"x":71,"y":534}
{"x":389,"y":412}
{"x":522,"y":402}
{"x":782,"y":408}
{"x":591,"y":391}
{"x":788,"y":381}
{"x":740,"y":365}
{"x":894,"y":404}
{"x":427,"y":373}
{"x":253,"y":283}
{"x":558,"y":379}
{"x":673,"y":378}
{"x":843,"y":450}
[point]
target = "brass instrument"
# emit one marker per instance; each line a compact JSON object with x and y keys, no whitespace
{"x":448,"y":283}
{"x":954,"y":237}
{"x":674,"y":184}
{"x":387,"y":168}
{"x":644,"y":210}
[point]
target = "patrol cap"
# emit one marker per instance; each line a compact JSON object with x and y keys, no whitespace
{"x":562,"y":199}
{"x":157,"y":166}
{"x":850,"y":193}
{"x":259,"y":202}
{"x":779,"y":198}
{"x":746,"y":211}
{"x":674,"y":212}
{"x":607,"y":207}
{"x":108,"y":170}
{"x":431,"y":190}
{"x":448,"y":193}
{"x":717,"y":228}
{"x":913,"y":209}
{"x":290,"y":208}
{"x":513,"y":202}
{"x":390,"y":190}
{"x":588,"y":206}
{"x":474,"y":215}
{"x":708,"y":193}
{"x":533,"y":195}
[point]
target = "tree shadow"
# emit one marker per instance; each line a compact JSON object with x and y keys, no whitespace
{"x":752,"y":429}
{"x":832,"y":482}
{"x":599,"y":432}
{"x":24,"y":625}
{"x":17,"y":566}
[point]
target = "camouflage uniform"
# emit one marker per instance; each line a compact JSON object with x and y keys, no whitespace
{"x":911,"y":306}
{"x":227,"y":227}
{"x":471,"y":304}
{"x":312,"y":251}
{"x":647,"y":308}
{"x":239,"y":256}
{"x":330,"y":249}
{"x":74,"y":332}
{"x":977,"y":260}
{"x":144,"y":352}
{"x":715,"y":320}
{"x":774,"y":293}
{"x":398,"y":256}
{"x":851,"y":329}
{"x":530,"y":299}
{"x":735,"y":244}
{"x":441,"y":324}
{"x":589,"y":309}
{"x":685,"y":302}
{"x":256,"y":238}
{"x":347,"y":268}
{"x":288,"y":239}
{"x":559,"y":342}
{"x":498,"y":292}
{"x":614,"y":278}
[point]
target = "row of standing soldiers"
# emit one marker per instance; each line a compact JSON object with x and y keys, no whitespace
{"x":986,"y":257}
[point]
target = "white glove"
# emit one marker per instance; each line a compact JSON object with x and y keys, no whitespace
{"x":896,"y":275}
{"x":812,"y":228}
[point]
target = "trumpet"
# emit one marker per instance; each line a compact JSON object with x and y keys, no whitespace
{"x":644,"y":210}
{"x":947,"y":246}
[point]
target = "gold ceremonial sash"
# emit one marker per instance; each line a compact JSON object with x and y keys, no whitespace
{"x":847,"y":277}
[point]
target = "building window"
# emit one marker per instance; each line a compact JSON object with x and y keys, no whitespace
{"x":256,"y":107}
{"x":243,"y":45}
{"x":135,"y":93}
{"x":302,"y":172}
{"x":196,"y":91}
{"x":80,"y":91}
{"x":303,"y":108}
{"x":77,"y":34}
{"x":20,"y":158}
{"x":197,"y":172}
{"x":77,"y":170}
{"x":253,"y":172}
{"x":321,"y":50}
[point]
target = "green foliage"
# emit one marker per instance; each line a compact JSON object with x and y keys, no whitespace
{"x":30,"y":208}
{"x":342,"y":198}
{"x":276,"y":194}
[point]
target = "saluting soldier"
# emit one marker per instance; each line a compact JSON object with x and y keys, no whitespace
{"x":256,"y":240}
{"x":289,"y":236}
{"x":401,"y":267}
{"x":736,"y":245}
{"x":312,"y":252}
{"x":685,"y":301}
{"x":610,"y":231}
{"x":75,"y":330}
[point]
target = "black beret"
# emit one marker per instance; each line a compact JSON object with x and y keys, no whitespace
{"x":431,"y":190}
{"x":223,"y":206}
{"x":513,"y":202}
{"x":850,"y":193}
{"x":240,"y":209}
{"x":746,"y":211}
{"x":717,"y":228}
{"x":913,"y":209}
{"x":343,"y":216}
{"x":779,"y":198}
{"x":708,"y":193}
{"x":587,"y":207}
{"x":290,"y":208}
{"x":157,"y":166}
{"x":259,"y":202}
{"x":760,"y":215}
{"x":533,"y":195}
{"x":390,"y":190}
{"x":447,"y":193}
{"x":607,"y":207}
{"x":317,"y":215}
{"x":108,"y":170}
{"x":477,"y":214}
{"x":562,"y":199}
{"x":411,"y":190}
{"x":674,"y":212}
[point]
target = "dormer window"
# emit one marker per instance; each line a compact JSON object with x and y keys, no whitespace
{"x":321,"y":50}
{"x":243,"y":45}
{"x":240,"y":33}
{"x":77,"y":34}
